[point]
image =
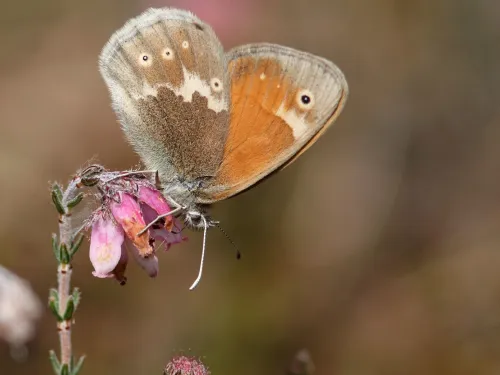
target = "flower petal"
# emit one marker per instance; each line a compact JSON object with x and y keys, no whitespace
{"x":149,"y":264}
{"x":183,"y":365}
{"x":105,"y":246}
{"x":128,"y":214}
{"x":161,"y":234}
{"x":119,"y":271}
{"x":169,"y":238}
{"x":148,"y":213}
{"x":155,"y":199}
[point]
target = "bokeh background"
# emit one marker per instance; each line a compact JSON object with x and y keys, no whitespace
{"x":378,"y":250}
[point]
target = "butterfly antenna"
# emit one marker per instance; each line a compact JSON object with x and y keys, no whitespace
{"x":238,"y":253}
{"x":202,"y":254}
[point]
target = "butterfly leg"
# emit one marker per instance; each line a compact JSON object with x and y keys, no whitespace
{"x":131,"y":173}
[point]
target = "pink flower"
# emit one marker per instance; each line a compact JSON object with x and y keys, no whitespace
{"x":148,"y":264}
{"x":169,"y":238}
{"x":183,"y":365}
{"x":126,"y":211}
{"x":155,"y":200}
{"x":105,"y":247}
{"x":108,"y":254}
{"x":156,"y":204}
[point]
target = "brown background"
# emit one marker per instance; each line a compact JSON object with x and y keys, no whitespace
{"x":379,"y":250}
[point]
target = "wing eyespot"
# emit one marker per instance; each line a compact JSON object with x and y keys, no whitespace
{"x":145,"y":59}
{"x":216,"y":84}
{"x":305,"y":99}
{"x":167,"y":54}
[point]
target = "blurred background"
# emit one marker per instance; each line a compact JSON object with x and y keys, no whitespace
{"x":378,"y":250}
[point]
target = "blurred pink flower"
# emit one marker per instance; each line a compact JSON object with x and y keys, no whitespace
{"x":20,"y":310}
{"x":183,"y":365}
{"x":230,"y":19}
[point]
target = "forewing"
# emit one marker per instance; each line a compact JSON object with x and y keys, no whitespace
{"x":166,"y":73}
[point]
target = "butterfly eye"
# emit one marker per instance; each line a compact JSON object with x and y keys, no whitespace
{"x":305,"y":99}
{"x":145,"y":59}
{"x":167,"y":54}
{"x":216,"y":84}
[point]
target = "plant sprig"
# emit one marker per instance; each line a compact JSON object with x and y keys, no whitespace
{"x":63,"y":302}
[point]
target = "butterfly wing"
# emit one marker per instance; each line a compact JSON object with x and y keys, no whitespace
{"x":167,"y":75}
{"x":282,"y":100}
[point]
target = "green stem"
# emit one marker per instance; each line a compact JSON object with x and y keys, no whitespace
{"x":64,"y":276}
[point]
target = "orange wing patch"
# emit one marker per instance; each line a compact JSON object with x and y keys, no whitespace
{"x":281,"y":101}
{"x":256,"y":134}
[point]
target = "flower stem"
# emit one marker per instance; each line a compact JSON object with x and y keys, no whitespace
{"x":64,"y":327}
{"x":62,"y":301}
{"x":64,"y":277}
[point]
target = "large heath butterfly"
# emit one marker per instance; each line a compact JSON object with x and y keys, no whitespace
{"x":214,"y":124}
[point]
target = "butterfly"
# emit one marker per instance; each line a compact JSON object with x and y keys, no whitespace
{"x":212,"y":123}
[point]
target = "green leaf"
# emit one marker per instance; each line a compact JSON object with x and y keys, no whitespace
{"x":55,"y":247}
{"x":54,"y":304}
{"x":70,"y":309}
{"x":64,"y":369}
{"x":65,"y":258}
{"x":76,"y":369}
{"x":56,"y":189}
{"x":77,"y":199}
{"x":75,"y":244}
{"x":57,"y":199}
{"x":56,"y":365}
{"x":54,"y":294}
{"x":77,"y":296}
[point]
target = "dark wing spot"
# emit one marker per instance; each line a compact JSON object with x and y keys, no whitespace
{"x":198,"y":26}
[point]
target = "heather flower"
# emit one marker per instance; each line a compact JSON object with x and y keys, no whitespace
{"x":127,"y":212}
{"x":154,"y":199}
{"x":168,"y":229}
{"x":118,"y":227}
{"x":105,"y":246}
{"x":183,"y":365}
{"x":148,"y":264}
{"x":169,"y":238}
